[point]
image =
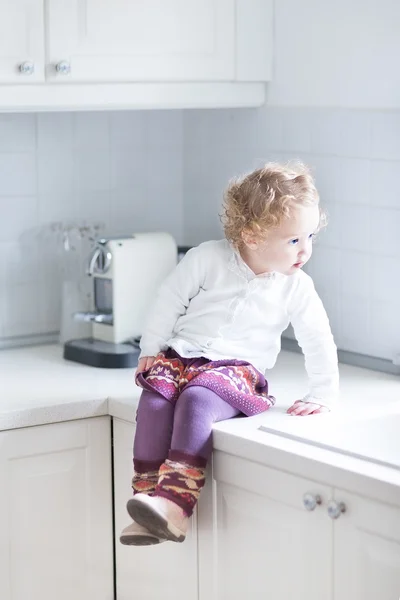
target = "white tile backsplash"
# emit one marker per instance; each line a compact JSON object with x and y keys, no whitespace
{"x":358,"y":274}
{"x":355,"y":133}
{"x":19,"y":214}
{"x":55,"y":171}
{"x":164,"y":129}
{"x":326,"y":170}
{"x":17,"y":132}
{"x":384,"y":282}
{"x":385,"y":327}
{"x":297,"y":131}
{"x":355,"y":157}
{"x":385,"y":227}
{"x":353,"y":183}
{"x":128,"y":129}
{"x":22,"y":310}
{"x":355,"y":331}
{"x":271,"y":131}
{"x":325,"y":267}
{"x":143,"y":170}
{"x":385,"y":189}
{"x":55,"y":132}
{"x":355,"y":227}
{"x":325,"y":128}
{"x":123,"y":169}
{"x":385,"y":135}
{"x":91,"y":131}
{"x":92,"y":170}
{"x":18,"y":175}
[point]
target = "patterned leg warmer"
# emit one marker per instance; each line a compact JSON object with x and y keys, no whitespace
{"x":181,"y":479}
{"x":145,"y":476}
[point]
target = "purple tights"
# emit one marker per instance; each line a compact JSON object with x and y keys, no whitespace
{"x":184,"y":427}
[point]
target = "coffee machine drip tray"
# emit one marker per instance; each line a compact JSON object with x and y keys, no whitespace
{"x":105,"y":355}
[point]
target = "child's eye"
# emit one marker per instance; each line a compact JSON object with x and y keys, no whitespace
{"x":294,"y":242}
{"x":311,"y":236}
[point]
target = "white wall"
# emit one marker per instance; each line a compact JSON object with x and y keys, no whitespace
{"x":124,"y":169}
{"x":167,"y":170}
{"x":355,"y":156}
{"x":342,"y":53}
{"x":336,"y":55}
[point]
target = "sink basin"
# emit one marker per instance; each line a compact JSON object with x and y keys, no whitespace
{"x":375,"y":439}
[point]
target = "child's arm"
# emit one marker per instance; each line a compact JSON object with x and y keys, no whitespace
{"x":313,"y":333}
{"x":171,"y":301}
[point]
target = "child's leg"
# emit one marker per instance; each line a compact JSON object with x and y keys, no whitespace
{"x":152,"y":442}
{"x":166,"y":513}
{"x":183,"y":474}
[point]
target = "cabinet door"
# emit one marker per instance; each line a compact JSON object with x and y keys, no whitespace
{"x":168,"y":570}
{"x":264,"y":543}
{"x":56,"y":512}
{"x":366,"y":550}
{"x":21,"y":41}
{"x":142,"y":40}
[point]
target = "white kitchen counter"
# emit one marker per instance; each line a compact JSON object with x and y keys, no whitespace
{"x":39,"y":387}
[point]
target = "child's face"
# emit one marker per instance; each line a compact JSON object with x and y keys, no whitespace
{"x":287,"y":247}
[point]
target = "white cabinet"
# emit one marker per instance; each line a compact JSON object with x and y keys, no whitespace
{"x":366,"y":550}
{"x":257,"y":537}
{"x":105,"y":54}
{"x":262,"y":541}
{"x":168,"y":570}
{"x":145,"y":40}
{"x":21,"y":41}
{"x":56,"y":512}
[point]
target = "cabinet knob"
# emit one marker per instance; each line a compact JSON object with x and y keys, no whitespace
{"x":335,"y":509}
{"x":26,"y":68}
{"x":63,"y":67}
{"x":311,"y":501}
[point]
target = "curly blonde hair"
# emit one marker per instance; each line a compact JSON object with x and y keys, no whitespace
{"x":262,"y":199}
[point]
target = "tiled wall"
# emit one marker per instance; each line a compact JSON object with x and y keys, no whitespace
{"x":355,"y":155}
{"x":123,"y":169}
{"x":167,"y":170}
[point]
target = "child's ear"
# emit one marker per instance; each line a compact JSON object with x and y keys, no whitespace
{"x":250,"y":239}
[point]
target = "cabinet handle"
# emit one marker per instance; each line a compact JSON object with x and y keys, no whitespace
{"x":311,"y":501}
{"x":335,"y":509}
{"x":63,"y":68}
{"x":26,"y":68}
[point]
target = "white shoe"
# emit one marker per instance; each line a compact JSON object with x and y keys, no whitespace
{"x":137,"y":535}
{"x":161,"y":517}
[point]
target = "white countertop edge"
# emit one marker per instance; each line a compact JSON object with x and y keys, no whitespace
{"x":327,"y":467}
{"x":53,"y":413}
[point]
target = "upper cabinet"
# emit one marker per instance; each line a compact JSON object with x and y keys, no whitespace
{"x":142,"y":40}
{"x":134,"y":53}
{"x":21,"y":41}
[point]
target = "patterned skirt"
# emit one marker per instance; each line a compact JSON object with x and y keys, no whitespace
{"x":235,"y":381}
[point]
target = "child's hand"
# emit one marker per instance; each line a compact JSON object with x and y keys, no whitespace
{"x":302,"y":409}
{"x":145,"y":363}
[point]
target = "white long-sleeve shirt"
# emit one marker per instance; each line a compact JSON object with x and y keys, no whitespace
{"x":213,"y":305}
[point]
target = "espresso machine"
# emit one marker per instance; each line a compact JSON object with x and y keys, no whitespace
{"x":126,"y":273}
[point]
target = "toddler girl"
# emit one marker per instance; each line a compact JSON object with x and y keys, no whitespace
{"x":214,"y":331}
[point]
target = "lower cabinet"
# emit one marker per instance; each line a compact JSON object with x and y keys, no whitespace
{"x":263,"y":542}
{"x":167,"y":571}
{"x":56,"y":512}
{"x":266,"y":533}
{"x":366,"y":549}
{"x":257,"y":532}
